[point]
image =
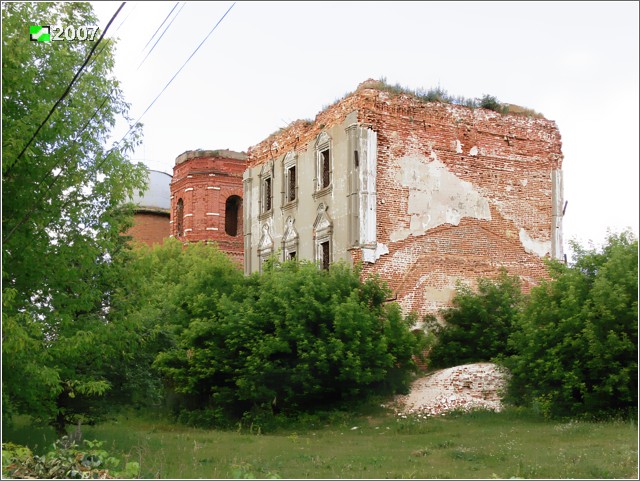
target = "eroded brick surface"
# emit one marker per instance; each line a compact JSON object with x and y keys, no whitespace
{"x":460,"y":192}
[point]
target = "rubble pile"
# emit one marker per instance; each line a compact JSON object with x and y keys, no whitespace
{"x":472,"y":386}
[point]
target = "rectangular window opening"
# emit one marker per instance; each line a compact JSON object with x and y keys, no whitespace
{"x":291,"y":187}
{"x":325,"y":255}
{"x":267,"y":194}
{"x":292,"y":256}
{"x":324,"y":164}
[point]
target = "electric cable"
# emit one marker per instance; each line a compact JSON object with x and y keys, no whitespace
{"x":100,"y":163}
{"x":179,"y":70}
{"x":162,"y":35}
{"x":66,"y":92}
{"x":158,"y":29}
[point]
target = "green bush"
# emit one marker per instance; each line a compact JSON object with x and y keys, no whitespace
{"x":478,"y":324}
{"x":165,"y":288}
{"x":577,"y":342}
{"x":291,"y":339}
{"x":65,"y":460}
{"x":491,"y":103}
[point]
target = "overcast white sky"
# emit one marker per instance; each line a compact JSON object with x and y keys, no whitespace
{"x":269,"y":63}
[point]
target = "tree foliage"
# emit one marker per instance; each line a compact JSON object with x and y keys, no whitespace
{"x":478,"y":323}
{"x":576,"y":348}
{"x":164,"y":288}
{"x":62,"y":214}
{"x":292,"y":338}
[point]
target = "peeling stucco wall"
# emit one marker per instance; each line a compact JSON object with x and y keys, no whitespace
{"x":436,"y":196}
{"x":446,"y":194}
{"x":461,"y":193}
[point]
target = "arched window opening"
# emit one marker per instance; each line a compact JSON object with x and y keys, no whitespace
{"x":180,"y":218}
{"x":232,"y":215}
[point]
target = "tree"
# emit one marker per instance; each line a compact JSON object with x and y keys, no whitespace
{"x":62,"y":213}
{"x":478,"y":324}
{"x":293,"y":338}
{"x":163,"y":290}
{"x":576,"y":346}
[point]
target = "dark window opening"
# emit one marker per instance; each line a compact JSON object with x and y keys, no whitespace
{"x":325,"y":169}
{"x":292,"y":256}
{"x":231,"y":215}
{"x":291,"y":187}
{"x":267,"y":194}
{"x":179,"y":217}
{"x":356,"y":159}
{"x":325,"y":254}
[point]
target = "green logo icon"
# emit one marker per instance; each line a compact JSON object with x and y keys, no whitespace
{"x":40,"y":33}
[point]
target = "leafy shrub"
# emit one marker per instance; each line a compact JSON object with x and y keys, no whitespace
{"x":491,"y":103}
{"x":478,"y":324}
{"x":204,"y":418}
{"x":293,"y":338}
{"x":165,"y":288}
{"x":64,"y":461}
{"x":577,"y":342}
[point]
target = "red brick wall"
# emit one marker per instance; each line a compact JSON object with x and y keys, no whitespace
{"x":512,"y":169}
{"x":205,"y":180}
{"x":150,"y":228}
{"x":507,"y":159}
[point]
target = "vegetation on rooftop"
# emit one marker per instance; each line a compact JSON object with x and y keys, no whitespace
{"x":439,"y":94}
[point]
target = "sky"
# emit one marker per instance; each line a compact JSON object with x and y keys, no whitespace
{"x":267,"y":64}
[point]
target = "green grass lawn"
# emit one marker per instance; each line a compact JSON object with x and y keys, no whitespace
{"x":474,"y":445}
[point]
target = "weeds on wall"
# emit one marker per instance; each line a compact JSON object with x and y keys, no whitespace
{"x":439,"y":94}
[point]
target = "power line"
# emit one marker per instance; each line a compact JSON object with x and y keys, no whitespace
{"x":53,"y":181}
{"x":66,"y":92}
{"x":49,"y":186}
{"x":162,"y":35}
{"x":110,"y":151}
{"x":125,"y":18}
{"x":179,"y":70}
{"x":158,"y":29}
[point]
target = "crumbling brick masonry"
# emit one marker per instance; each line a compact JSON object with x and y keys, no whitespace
{"x":425,"y":194}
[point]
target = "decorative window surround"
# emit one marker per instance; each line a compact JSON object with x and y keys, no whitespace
{"x":265,"y":246}
{"x":323,"y":192}
{"x":324,"y":163}
{"x":290,"y":239}
{"x":290,"y":176}
{"x":323,"y":237}
{"x":266,"y":189}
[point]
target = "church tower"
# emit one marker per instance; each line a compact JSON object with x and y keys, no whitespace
{"x":206,"y":199}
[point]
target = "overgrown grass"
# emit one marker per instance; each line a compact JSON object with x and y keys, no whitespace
{"x":514,"y":443}
{"x":439,"y":94}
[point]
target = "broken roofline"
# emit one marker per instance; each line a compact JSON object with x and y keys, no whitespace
{"x":220,"y":154}
{"x":376,"y":96}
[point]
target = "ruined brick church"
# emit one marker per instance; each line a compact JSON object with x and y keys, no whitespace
{"x":425,"y":194}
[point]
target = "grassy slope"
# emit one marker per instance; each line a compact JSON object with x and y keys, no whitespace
{"x":476,"y":445}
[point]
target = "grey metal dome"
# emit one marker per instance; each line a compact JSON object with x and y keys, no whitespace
{"x":157,"y":197}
